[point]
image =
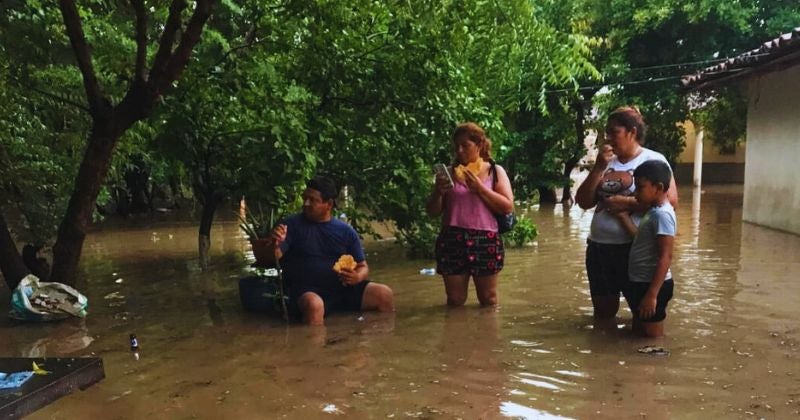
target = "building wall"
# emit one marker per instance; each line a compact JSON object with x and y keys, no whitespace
{"x":718,"y":168}
{"x":772,"y":170}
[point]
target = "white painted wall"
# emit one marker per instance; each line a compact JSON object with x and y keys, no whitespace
{"x":772,"y":168}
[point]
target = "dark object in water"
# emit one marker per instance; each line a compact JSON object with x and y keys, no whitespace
{"x":260,"y":294}
{"x":654,"y":350}
{"x":66,"y":375}
{"x":36,"y":264}
{"x":134,"y":343}
{"x":334,"y":340}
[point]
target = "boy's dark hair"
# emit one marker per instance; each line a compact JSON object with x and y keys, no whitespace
{"x":654,"y":171}
{"x":325,"y":186}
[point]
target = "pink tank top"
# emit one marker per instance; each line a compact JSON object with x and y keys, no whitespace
{"x":465,"y":209}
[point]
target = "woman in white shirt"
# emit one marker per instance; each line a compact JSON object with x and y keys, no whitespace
{"x":609,"y":189}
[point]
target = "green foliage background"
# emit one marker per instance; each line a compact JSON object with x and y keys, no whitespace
{"x":365,"y":91}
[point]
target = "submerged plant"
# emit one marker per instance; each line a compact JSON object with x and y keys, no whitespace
{"x":524,"y":232}
{"x":256,"y":225}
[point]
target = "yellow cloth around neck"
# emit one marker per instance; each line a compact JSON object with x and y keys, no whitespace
{"x":474,"y":167}
{"x":346,"y":262}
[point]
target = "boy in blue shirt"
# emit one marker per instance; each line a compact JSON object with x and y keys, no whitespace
{"x":649,"y":286}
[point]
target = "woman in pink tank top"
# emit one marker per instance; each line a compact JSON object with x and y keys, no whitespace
{"x":469,"y":245}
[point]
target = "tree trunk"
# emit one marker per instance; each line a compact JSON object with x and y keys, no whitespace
{"x":91,"y":174}
{"x":11,"y":263}
{"x":110,"y":122}
{"x":578,"y":151}
{"x":211,"y":200}
{"x":547,"y":195}
{"x":203,"y":246}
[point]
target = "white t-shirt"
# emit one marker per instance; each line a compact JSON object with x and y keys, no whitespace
{"x":617,"y":180}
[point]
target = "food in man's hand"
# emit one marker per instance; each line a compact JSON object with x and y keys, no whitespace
{"x":474,"y":167}
{"x":346,"y":262}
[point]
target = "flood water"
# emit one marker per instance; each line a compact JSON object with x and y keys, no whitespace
{"x":732,"y":332}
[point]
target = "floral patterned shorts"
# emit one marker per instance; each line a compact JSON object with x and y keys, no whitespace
{"x":468,"y":251}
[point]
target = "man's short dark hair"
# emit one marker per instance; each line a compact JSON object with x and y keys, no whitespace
{"x":654,"y":171}
{"x":325,"y":186}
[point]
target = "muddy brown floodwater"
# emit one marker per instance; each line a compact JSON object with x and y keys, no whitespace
{"x":732,"y":333}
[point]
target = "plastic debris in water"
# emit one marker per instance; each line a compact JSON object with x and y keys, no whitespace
{"x":14,"y":380}
{"x":654,"y":350}
{"x":331,"y":409}
{"x":134,"y":343}
{"x":428,"y":271}
{"x":38,"y":370}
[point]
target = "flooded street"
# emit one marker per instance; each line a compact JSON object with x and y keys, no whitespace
{"x":733,"y":331}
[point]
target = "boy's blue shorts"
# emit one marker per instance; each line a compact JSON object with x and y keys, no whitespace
{"x":634,"y":293}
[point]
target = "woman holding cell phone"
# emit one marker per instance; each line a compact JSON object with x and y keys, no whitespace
{"x":469,"y":245}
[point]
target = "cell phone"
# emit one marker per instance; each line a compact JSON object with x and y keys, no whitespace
{"x":443,"y":172}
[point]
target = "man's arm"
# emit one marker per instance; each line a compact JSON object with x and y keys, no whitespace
{"x":352,"y":277}
{"x":648,"y":306}
{"x":277,"y":237}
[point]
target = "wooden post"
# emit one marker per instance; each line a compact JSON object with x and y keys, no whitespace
{"x":697,"y":177}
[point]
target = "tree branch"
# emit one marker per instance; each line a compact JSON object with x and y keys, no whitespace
{"x":59,"y":98}
{"x":141,"y":39}
{"x":157,"y":72}
{"x":77,"y":38}
{"x":50,"y":95}
{"x":254,"y":130}
{"x":191,"y":36}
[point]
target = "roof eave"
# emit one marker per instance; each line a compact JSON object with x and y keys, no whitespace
{"x":778,"y":63}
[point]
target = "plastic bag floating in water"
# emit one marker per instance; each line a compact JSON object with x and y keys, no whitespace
{"x":33,"y":300}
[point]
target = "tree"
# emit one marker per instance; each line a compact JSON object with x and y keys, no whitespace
{"x":396,"y":77}
{"x":648,"y":45}
{"x":109,"y":121}
{"x":233,"y":142}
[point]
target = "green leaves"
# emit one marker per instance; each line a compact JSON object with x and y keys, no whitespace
{"x":723,"y":118}
{"x":524,"y":232}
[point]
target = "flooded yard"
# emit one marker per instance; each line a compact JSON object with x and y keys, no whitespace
{"x":733,"y":333}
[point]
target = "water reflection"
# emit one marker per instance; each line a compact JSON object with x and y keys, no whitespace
{"x":511,"y":409}
{"x":733,"y":333}
{"x":470,"y":350}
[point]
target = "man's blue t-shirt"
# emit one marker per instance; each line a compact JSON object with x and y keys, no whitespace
{"x":311,"y":249}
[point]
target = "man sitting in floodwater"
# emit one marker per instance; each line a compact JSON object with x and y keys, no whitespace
{"x":308,"y":245}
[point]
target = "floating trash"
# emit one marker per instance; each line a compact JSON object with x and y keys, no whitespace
{"x":654,"y":350}
{"x":37,"y":370}
{"x":331,"y":409}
